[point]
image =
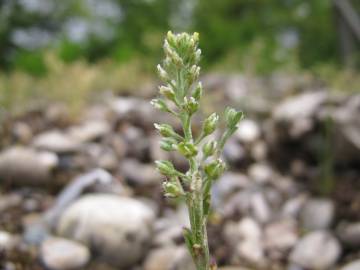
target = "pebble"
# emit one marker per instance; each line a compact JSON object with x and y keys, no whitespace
{"x":349,"y":234}
{"x":25,"y":165}
{"x":355,"y":265}
{"x":117,"y":228}
{"x":56,"y":141}
{"x":316,"y":250}
{"x":248,"y":131}
{"x":260,"y":173}
{"x":90,"y":131}
{"x":7,"y":241}
{"x":62,"y":254}
{"x":317,"y":214}
{"x":139,"y":174}
{"x":168,"y":258}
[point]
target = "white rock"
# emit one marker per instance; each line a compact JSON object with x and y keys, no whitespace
{"x":25,"y":165}
{"x":62,"y":254}
{"x":260,"y":208}
{"x":169,"y":258}
{"x":246,"y":239}
{"x":355,"y":265}
{"x":56,"y":141}
{"x":117,"y":228}
{"x":90,"y":131}
{"x":317,"y":214}
{"x":280,"y":237}
{"x":248,"y":131}
{"x":349,"y":234}
{"x":260,"y":173}
{"x":140,"y":174}
{"x":7,"y":241}
{"x":317,"y":250}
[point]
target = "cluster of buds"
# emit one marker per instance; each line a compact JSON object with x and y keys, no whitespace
{"x":180,"y":96}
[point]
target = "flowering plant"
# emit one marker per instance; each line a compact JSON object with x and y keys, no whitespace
{"x":181,"y":94}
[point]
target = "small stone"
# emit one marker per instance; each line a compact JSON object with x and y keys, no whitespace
{"x":293,"y":206}
{"x":245,"y":237}
{"x":280,"y":237}
{"x":248,"y":131}
{"x":25,"y":165}
{"x":139,"y":174}
{"x":117,"y":228}
{"x":90,"y":131}
{"x":317,"y":214}
{"x":316,"y":250}
{"x":233,"y":152}
{"x":259,"y":151}
{"x":169,"y":258}
{"x":260,"y":173}
{"x":349,"y":234}
{"x":355,"y":265}
{"x":7,"y":241}
{"x":260,"y":208}
{"x":56,"y":141}
{"x":62,"y":254}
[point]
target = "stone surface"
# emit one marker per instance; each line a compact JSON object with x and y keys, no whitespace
{"x":245,"y":237}
{"x":248,"y":131}
{"x":25,"y":165}
{"x":139,"y":174}
{"x":169,"y":258}
{"x":349,"y":234}
{"x":62,"y":254}
{"x":7,"y":241}
{"x":117,"y":228}
{"x":89,"y":131}
{"x":56,"y":141}
{"x":355,"y":265}
{"x":316,"y":250}
{"x":317,"y":214}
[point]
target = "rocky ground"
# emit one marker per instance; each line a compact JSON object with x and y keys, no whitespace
{"x":84,"y":194}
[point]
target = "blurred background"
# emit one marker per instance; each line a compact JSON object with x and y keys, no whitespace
{"x":77,"y":142}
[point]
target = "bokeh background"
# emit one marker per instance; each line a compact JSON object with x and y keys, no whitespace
{"x":76,"y":77}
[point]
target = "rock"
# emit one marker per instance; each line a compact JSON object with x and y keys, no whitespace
{"x":90,"y":131}
{"x":22,"y":132}
{"x":62,"y":254}
{"x":248,"y":131}
{"x":168,"y":236}
{"x":316,"y":250}
{"x":245,"y":237}
{"x":228,"y":184}
{"x":139,"y":174}
{"x":9,"y":200}
{"x":260,"y":208}
{"x":317,"y":214}
{"x":298,"y":112}
{"x":169,"y":258}
{"x":233,"y":152}
{"x":7,"y":241}
{"x":260,"y":173}
{"x":117,"y":228}
{"x":259,"y":151}
{"x":299,"y":107}
{"x":25,"y":165}
{"x":280,"y":237}
{"x":293,"y":206}
{"x":349,"y":234}
{"x":56,"y":141}
{"x":355,"y":265}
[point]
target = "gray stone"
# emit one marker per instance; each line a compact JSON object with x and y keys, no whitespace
{"x":316,"y":250}
{"x":169,"y":258}
{"x":140,"y":174}
{"x":56,"y":141}
{"x":317,"y":214}
{"x":245,"y":237}
{"x":248,"y":131}
{"x":90,"y":130}
{"x":62,"y":254}
{"x":7,"y":241}
{"x":25,"y":165}
{"x":260,"y":208}
{"x":117,"y":228}
{"x":354,"y":265}
{"x":349,"y":234}
{"x":260,"y":173}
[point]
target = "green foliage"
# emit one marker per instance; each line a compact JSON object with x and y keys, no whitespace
{"x":180,"y":72}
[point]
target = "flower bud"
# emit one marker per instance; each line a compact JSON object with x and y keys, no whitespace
{"x":210,"y":124}
{"x":160,"y":105}
{"x":197,"y":56}
{"x":197,"y":93}
{"x":168,"y":144}
{"x":165,"y":167}
{"x":191,"y":105}
{"x":215,"y":168}
{"x":232,"y":117}
{"x":170,"y":37}
{"x":187,"y":149}
{"x":172,"y":189}
{"x":209,"y":148}
{"x":167,"y":92}
{"x":162,"y":73}
{"x":165,"y":130}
